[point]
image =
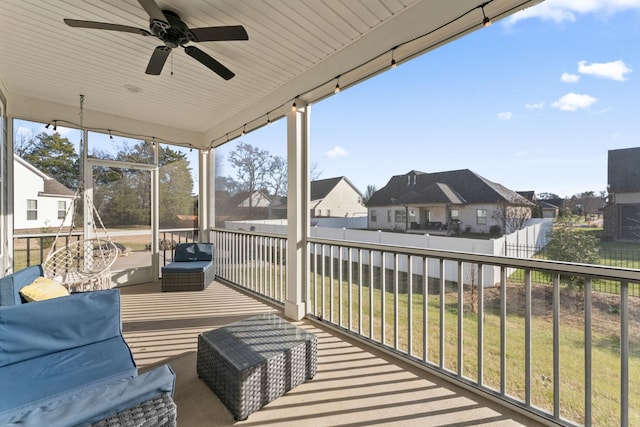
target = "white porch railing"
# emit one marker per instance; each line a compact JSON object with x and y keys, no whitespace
{"x":558,"y":352}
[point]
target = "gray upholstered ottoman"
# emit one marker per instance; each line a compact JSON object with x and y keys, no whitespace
{"x":250,"y":363}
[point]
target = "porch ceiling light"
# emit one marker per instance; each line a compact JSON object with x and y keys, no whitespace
{"x":485,"y":21}
{"x":337,"y":88}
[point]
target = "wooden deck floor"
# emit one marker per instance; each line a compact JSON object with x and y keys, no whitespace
{"x":355,"y":385}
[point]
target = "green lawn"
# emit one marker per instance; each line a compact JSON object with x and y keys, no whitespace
{"x":605,"y":350}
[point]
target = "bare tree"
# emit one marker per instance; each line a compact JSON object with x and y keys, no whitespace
{"x":251,"y":165}
{"x":276,"y":177}
{"x":512,"y":215}
{"x":368,"y":193}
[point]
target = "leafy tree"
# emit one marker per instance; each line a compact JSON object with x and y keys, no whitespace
{"x":572,"y":245}
{"x":123,"y":194}
{"x":54,"y":155}
{"x":176,"y":186}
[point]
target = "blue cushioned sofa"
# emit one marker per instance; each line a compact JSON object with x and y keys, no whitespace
{"x":192,"y":268}
{"x":64,"y":362}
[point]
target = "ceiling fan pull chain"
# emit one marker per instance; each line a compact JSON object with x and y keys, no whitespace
{"x":172,"y":63}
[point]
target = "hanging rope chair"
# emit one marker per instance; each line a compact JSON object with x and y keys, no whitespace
{"x":85,"y":264}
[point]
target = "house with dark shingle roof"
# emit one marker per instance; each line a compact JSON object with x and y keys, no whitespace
{"x":451,"y":200}
{"x":621,"y":215}
{"x":335,"y":197}
{"x":39,"y":200}
{"x":330,"y":197}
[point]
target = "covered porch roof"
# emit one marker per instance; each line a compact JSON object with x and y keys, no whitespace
{"x":295,"y":52}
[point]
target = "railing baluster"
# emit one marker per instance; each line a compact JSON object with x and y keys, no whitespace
{"x":527,"y":337}
{"x":371,"y":285}
{"x":410,"y":305}
{"x":425,"y":309}
{"x":396,"y":284}
{"x":460,"y":317}
{"x":587,"y":351}
{"x":556,"y":346}
{"x":383,"y":291}
{"x":360,"y":291}
{"x":624,"y":353}
{"x":503,"y":331}
{"x":480,"y":324}
{"x":442,"y":307}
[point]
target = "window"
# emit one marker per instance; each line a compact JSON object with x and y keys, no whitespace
{"x":328,"y":212}
{"x":454,"y":214}
{"x":32,"y":210}
{"x":401,"y":216}
{"x":374,"y":216}
{"x":481,"y":216}
{"x":319,"y":212}
{"x":389,"y":215}
{"x":62,"y":209}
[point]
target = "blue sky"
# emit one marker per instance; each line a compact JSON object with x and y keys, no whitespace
{"x":533,"y":102}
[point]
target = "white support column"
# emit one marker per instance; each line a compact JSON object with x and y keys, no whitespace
{"x":203,"y":196}
{"x":211,"y":193}
{"x":297,"y":212}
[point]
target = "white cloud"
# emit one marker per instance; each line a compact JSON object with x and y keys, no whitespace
{"x":569,"y":78}
{"x":614,"y":70}
{"x":573,"y":102}
{"x":567,"y":10}
{"x":536,"y":106}
{"x":505,"y":115}
{"x":335,"y":152}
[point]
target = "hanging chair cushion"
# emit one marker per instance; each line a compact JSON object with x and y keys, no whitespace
{"x":42,"y":289}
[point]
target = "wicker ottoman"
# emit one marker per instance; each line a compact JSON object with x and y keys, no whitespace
{"x":250,"y":363}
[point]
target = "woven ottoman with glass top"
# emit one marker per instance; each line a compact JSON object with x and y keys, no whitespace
{"x":249,"y":363}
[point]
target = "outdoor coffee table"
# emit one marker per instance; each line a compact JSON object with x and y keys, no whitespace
{"x":249,"y":363}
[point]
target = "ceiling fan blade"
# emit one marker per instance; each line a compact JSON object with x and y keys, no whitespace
{"x":153,"y":10}
{"x":214,"y":34}
{"x":209,"y":62}
{"x":158,"y":58}
{"x":105,"y":26}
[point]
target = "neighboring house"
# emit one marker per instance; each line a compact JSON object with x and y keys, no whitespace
{"x":249,"y":200}
{"x":335,"y":197}
{"x":39,"y":200}
{"x":331,"y":197}
{"x":548,"y":209}
{"x":458,"y":200}
{"x":622,"y":212}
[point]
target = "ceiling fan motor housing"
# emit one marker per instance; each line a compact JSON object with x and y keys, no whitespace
{"x":173,"y":35}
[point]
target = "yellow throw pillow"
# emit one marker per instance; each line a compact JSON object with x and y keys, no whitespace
{"x":42,"y":289}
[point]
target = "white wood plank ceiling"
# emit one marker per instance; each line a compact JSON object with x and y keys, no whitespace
{"x":296,"y":48}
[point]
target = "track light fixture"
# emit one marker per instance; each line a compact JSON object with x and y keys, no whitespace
{"x":485,"y":21}
{"x":48,"y":125}
{"x":55,"y":125}
{"x":110,"y":136}
{"x":244,"y":130}
{"x":393,"y":60}
{"x":337,"y":88}
{"x":294,"y":107}
{"x":268,"y":120}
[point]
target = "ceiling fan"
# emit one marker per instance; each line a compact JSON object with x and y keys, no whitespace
{"x":167,"y":26}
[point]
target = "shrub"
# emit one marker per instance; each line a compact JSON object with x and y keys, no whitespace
{"x":572,"y":245}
